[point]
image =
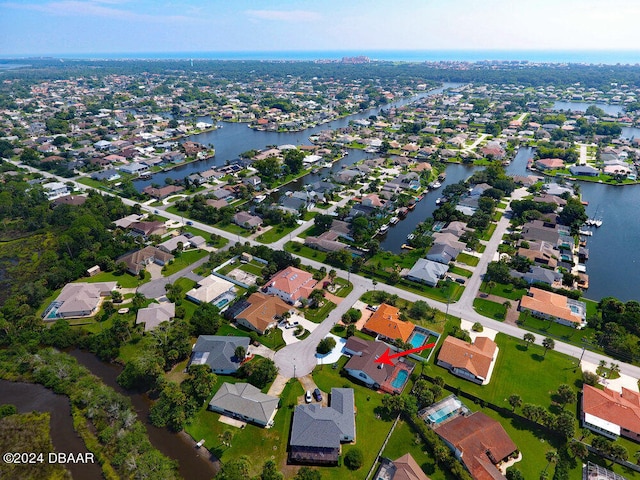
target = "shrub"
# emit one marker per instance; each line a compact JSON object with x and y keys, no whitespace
{"x":326,"y":345}
{"x":477,"y":327}
{"x":354,"y":459}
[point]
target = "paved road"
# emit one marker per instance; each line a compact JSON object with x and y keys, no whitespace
{"x":305,"y":350}
{"x":155,"y":288}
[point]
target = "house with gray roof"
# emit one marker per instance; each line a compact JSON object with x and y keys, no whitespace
{"x":218,"y":352}
{"x":245,"y":402}
{"x":427,"y":272}
{"x":317,"y":432}
{"x":584,"y":170}
{"x":155,"y":314}
{"x":78,"y":300}
{"x":539,"y":275}
{"x":442,"y":253}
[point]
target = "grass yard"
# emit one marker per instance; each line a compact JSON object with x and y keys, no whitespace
{"x":553,"y":329}
{"x":317,"y":315}
{"x":490,"y":309}
{"x":257,"y":443}
{"x":183,"y":261}
{"x":219,"y":243}
{"x":272,"y":340}
{"x":370,"y":432}
{"x":275,"y":233}
{"x":125,"y":280}
{"x":514,"y":369}
{"x":254,"y":269}
{"x":345,"y":289}
{"x":504,"y":290}
{"x":233,"y":228}
{"x":460,"y":271}
{"x":489,"y":232}
{"x":467,"y":259}
{"x":304,"y":251}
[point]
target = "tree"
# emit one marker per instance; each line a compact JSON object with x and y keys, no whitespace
{"x":565,"y":395}
{"x":199,"y":384}
{"x":293,"y":159}
{"x":308,"y":473}
{"x":205,"y":320}
{"x":351,"y":330}
{"x":354,"y":459}
{"x":419,"y":310}
{"x":137,"y":301}
{"x":552,"y":457}
{"x":226,"y":437}
{"x":491,"y":284}
{"x":548,"y":344}
{"x":514,"y":474}
{"x":326,"y":345}
{"x":170,"y":409}
{"x":236,"y":469}
{"x":323,"y":222}
{"x":578,"y":449}
{"x":515,"y":401}
{"x":240,"y":352}
{"x":529,"y":338}
{"x":259,"y":372}
{"x":270,"y":471}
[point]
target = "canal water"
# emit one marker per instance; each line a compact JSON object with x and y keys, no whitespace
{"x":235,"y":138}
{"x":609,"y":275}
{"x":193,"y":463}
{"x":29,"y":397}
{"x":582,"y":107}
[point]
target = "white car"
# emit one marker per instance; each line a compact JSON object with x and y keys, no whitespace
{"x":307,"y":396}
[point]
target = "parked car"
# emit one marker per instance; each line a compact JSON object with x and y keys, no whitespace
{"x":189,"y":222}
{"x":317,"y":394}
{"x":372,"y":308}
{"x":307,"y":396}
{"x":460,"y":280}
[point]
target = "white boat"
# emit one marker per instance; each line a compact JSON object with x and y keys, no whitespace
{"x":435,"y":185}
{"x":587,"y":233}
{"x":394,"y":220}
{"x":439,"y":201}
{"x":411,"y":236}
{"x":383,"y":229}
{"x":597,"y":222}
{"x":259,"y":198}
{"x":327,"y":165}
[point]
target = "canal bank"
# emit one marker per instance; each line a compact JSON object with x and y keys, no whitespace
{"x":194,"y":463}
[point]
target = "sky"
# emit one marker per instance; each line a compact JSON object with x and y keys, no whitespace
{"x":67,"y":27}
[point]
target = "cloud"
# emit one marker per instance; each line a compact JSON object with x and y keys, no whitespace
{"x":95,"y":8}
{"x":285,"y":15}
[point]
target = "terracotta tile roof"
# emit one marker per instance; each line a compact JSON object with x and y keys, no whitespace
{"x":262,"y":310}
{"x":476,"y":357}
{"x":293,"y":281}
{"x":622,"y":409}
{"x":408,"y":469}
{"x":549,"y":303}
{"x":386,"y":322}
{"x":482,"y":441}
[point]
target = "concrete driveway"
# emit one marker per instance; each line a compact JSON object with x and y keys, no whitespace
{"x":155,"y":288}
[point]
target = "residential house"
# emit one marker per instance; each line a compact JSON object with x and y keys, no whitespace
{"x":373,"y":200}
{"x":109,"y":175}
{"x":557,"y":308}
{"x":549,"y":163}
{"x":78,"y":300}
{"x":546,"y":198}
{"x":134,"y":168}
{"x":245,"y":402}
{"x":246,"y":220}
{"x":291,"y":285}
{"x":138,"y":260}
{"x":155,"y":314}
{"x":317,"y":432}
{"x":404,"y":468}
{"x":442,"y":253}
{"x":538,"y":274}
{"x":54,"y":190}
{"x":219,"y":353}
{"x":385,"y":323}
{"x":479,"y":189}
{"x":214,"y":290}
{"x":326,"y":242}
{"x":456,"y":228}
{"x":253,"y":181}
{"x":74,"y":200}
{"x":584,"y":170}
{"x":148,"y":228}
{"x":260,"y":312}
{"x":471,"y":361}
{"x":346,"y":176}
{"x":480,"y":443}
{"x":427,"y":272}
{"x":610,"y":413}
{"x":187,"y":241}
{"x":449,"y":239}
{"x":162,"y":192}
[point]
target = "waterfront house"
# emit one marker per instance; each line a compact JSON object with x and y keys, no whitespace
{"x":317,"y":432}
{"x":109,"y":175}
{"x":427,"y":272}
{"x":245,"y":402}
{"x":218,"y":352}
{"x":442,"y":253}
{"x":610,"y":413}
{"x":291,"y":285}
{"x":163,"y":192}
{"x":538,"y":274}
{"x":155,"y":314}
{"x":134,"y":168}
{"x":549,"y":164}
{"x":480,"y":443}
{"x":555,"y":307}
{"x":471,"y":361}
{"x":246,"y":220}
{"x":78,"y":300}
{"x":584,"y":170}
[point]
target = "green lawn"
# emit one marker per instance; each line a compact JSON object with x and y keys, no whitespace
{"x":504,"y":290}
{"x":468,"y":259}
{"x":370,"y":431}
{"x":220,"y":242}
{"x":233,"y":228}
{"x":125,"y":280}
{"x":272,"y":340}
{"x":489,"y":232}
{"x":460,"y":271}
{"x":275,"y":233}
{"x":183,"y":261}
{"x":313,"y":231}
{"x":317,"y":315}
{"x":553,"y":329}
{"x":304,"y":251}
{"x":258,"y":444}
{"x":514,"y":370}
{"x":252,"y":268}
{"x":490,"y":309}
{"x":345,"y":289}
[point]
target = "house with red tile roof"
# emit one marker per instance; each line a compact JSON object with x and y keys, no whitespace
{"x":291,"y":284}
{"x":404,"y":468}
{"x":385,"y":322}
{"x":610,"y":413}
{"x":471,"y":361}
{"x":260,"y":312}
{"x":549,"y":163}
{"x":480,"y":443}
{"x":552,"y":306}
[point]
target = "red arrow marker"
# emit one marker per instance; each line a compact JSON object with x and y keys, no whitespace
{"x":386,"y":358}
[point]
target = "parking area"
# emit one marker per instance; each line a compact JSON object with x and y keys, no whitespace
{"x":288,"y":331}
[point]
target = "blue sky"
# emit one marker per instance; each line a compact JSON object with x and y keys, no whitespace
{"x":30,"y":27}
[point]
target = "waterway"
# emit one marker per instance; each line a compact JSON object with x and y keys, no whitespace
{"x":235,"y":138}
{"x":29,"y":397}
{"x":609,"y":275}
{"x":582,"y":107}
{"x":193,"y":463}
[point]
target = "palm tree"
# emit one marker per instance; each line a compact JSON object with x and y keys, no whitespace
{"x":548,"y":344}
{"x":602,"y":366}
{"x":552,"y":457}
{"x":637,"y":456}
{"x":529,"y":338}
{"x":614,"y":370}
{"x":491,"y":285}
{"x":515,"y":401}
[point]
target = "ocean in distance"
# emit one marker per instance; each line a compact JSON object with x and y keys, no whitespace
{"x":610,"y":57}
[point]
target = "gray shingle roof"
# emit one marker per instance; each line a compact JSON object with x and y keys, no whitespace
{"x":218,"y":352}
{"x":245,"y":399}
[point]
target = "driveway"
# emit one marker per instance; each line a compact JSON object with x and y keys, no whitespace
{"x":262,"y":351}
{"x":155,"y":288}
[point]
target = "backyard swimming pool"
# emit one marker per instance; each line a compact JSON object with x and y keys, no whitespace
{"x":417,"y":339}
{"x":400,"y":379}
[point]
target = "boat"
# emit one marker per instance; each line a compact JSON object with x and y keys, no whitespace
{"x":442,"y":176}
{"x":327,"y":165}
{"x":394,"y":220}
{"x":411,"y":236}
{"x":435,"y":185}
{"x":412,"y":206}
{"x":587,"y":233}
{"x":597,"y":222}
{"x":383,"y":229}
{"x":439,"y":201}
{"x":259,"y":198}
{"x":402,"y":212}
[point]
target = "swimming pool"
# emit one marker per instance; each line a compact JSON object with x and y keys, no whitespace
{"x":222,"y":303}
{"x":447,"y":410}
{"x":574,"y":308}
{"x":417,"y":339}
{"x":400,"y":379}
